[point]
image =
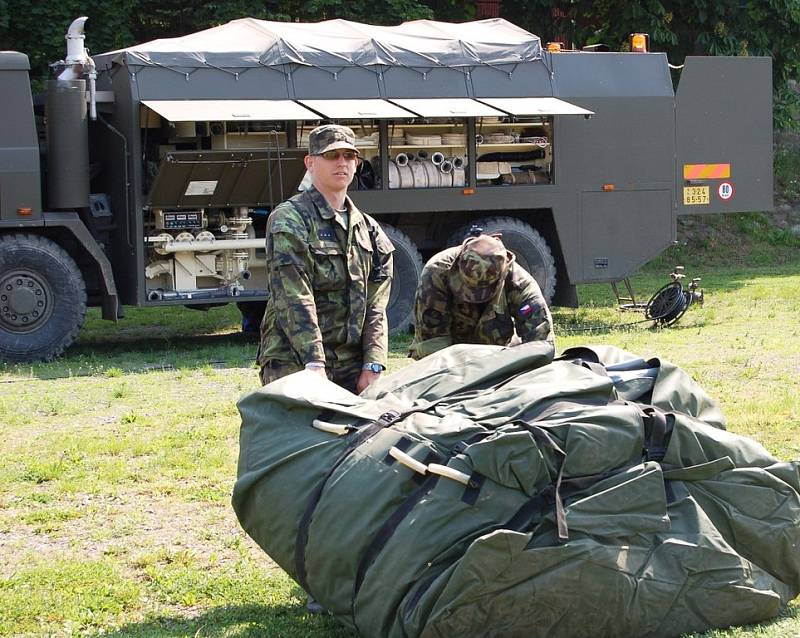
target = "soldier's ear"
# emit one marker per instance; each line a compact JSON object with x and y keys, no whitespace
{"x":308,"y":160}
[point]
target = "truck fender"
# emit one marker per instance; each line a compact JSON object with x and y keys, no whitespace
{"x":71,"y":222}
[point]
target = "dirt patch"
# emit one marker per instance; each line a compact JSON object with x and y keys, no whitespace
{"x":132,"y":527}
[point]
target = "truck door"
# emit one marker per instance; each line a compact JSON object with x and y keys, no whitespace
{"x":724,"y":135}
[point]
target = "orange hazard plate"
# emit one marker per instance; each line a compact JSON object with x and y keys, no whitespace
{"x":694,"y":195}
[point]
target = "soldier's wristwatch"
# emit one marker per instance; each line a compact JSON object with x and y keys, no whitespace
{"x":377,"y":368}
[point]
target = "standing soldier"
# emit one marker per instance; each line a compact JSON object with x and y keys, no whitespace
{"x":476,"y":293}
{"x":329,"y":267}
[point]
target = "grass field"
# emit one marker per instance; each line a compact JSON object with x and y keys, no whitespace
{"x":118,"y":459}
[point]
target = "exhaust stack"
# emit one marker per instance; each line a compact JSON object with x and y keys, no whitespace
{"x":67,"y":124}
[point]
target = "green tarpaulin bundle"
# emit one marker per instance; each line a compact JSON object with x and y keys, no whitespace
{"x":488,"y":491}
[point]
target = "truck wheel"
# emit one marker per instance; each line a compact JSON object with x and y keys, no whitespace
{"x":529,"y":247}
{"x":42,"y":298}
{"x":407,"y":269}
{"x":252,"y":314}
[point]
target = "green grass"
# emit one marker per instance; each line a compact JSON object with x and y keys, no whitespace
{"x":118,"y":459}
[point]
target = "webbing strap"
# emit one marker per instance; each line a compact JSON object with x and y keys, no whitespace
{"x":657,"y":431}
{"x":470,"y":496}
{"x":403,"y":445}
{"x":404,"y":509}
{"x":543,"y":437}
{"x":387,"y":530}
{"x":354,"y":440}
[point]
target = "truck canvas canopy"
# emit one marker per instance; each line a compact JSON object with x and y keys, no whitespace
{"x":250,"y":42}
{"x":336,"y":59}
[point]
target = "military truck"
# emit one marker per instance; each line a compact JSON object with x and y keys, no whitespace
{"x":147,"y":177}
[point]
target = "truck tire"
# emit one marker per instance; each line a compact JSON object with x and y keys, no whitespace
{"x":42,"y":299}
{"x":407,"y":269}
{"x":528,"y":246}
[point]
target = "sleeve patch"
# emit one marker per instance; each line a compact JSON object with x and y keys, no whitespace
{"x":528,"y":308}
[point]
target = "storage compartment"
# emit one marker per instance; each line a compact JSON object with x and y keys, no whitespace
{"x":514,"y":152}
{"x":428,"y":155}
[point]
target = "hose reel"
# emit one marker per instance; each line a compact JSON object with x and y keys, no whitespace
{"x":668,"y":304}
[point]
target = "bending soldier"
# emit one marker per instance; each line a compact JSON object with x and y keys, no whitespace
{"x":476,"y":293}
{"x":329,"y":269}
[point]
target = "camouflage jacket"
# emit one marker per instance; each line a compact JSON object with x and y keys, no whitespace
{"x":516,"y":307}
{"x":327,"y":297}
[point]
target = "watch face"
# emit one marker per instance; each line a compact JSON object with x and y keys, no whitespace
{"x":376,"y":367}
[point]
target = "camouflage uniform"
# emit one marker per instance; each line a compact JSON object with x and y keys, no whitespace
{"x":326,"y":303}
{"x":475,"y":293}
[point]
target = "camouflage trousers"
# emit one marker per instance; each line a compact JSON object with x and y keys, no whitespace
{"x":345,"y":375}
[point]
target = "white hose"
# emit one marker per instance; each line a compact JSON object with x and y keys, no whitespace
{"x":432,"y":173}
{"x":394,"y":174}
{"x":406,"y":177}
{"x":446,"y":166}
{"x":418,"y":174}
{"x":401,"y":159}
{"x":437,"y":158}
{"x":458,"y":161}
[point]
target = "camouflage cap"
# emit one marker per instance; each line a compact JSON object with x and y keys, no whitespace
{"x":480,"y":267}
{"x":330,"y":137}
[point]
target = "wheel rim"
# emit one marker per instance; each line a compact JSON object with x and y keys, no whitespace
{"x":25,"y":301}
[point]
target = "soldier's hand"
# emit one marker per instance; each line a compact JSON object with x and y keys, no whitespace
{"x":365,"y":378}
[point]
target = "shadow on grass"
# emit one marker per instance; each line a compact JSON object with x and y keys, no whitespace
{"x":239,"y":621}
{"x":132,"y":355}
{"x":290,"y":621}
{"x":161,"y":343}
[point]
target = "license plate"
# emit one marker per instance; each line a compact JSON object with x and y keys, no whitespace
{"x":694,"y":195}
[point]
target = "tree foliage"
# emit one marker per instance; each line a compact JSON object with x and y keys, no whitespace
{"x":680,"y":27}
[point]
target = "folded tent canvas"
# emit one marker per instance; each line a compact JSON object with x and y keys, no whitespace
{"x":496,"y":492}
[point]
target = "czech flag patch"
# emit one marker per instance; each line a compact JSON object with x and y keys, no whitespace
{"x":528,"y":308}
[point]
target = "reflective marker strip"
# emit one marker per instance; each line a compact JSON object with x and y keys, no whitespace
{"x":706,"y":171}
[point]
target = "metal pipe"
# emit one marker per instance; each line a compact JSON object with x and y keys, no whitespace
{"x":187,"y":295}
{"x":126,"y":179}
{"x":78,"y":64}
{"x":204,"y":246}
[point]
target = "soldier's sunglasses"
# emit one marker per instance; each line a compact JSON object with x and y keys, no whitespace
{"x":334,"y":155}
